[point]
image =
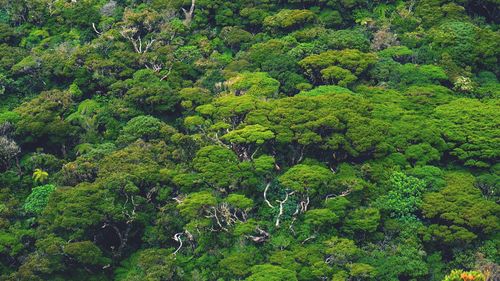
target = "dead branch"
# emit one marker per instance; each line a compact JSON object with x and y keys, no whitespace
{"x":343,"y":194}
{"x":304,"y":205}
{"x":177,"y":199}
{"x":259,"y":239}
{"x":265,"y":196}
{"x":177,"y":238}
{"x":217,"y":219}
{"x":137,"y":42}
{"x":189,"y":14}
{"x":282,"y":203}
{"x":308,"y":238}
{"x":95,"y":29}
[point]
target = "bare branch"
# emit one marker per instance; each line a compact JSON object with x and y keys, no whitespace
{"x":189,"y":14}
{"x":304,"y":205}
{"x":282,"y":203}
{"x":308,"y":238}
{"x":265,"y":196}
{"x":259,"y":239}
{"x":343,"y":194}
{"x":177,"y":238}
{"x":95,"y":29}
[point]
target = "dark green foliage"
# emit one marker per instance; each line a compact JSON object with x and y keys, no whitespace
{"x":459,"y":211}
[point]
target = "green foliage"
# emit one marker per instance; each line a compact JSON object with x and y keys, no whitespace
{"x":146,"y":128}
{"x":364,"y":220}
{"x":194,"y":203}
{"x":258,"y":84}
{"x":288,"y":19}
{"x":321,"y":217}
{"x":306,"y":178}
{"x":147,"y":91}
{"x":404,"y":197}
{"x":461,"y":208}
{"x":271,"y":272}
{"x":39,"y":176}
{"x":350,"y":59}
{"x":362,"y":270}
{"x":250,"y":134}
{"x":148,"y":264}
{"x":38,"y":199}
{"x":249,"y":140}
{"x":347,"y":39}
{"x":338,"y":75}
{"x":42,"y":118}
{"x":85,"y":252}
{"x":218,"y":166}
{"x":240,"y":201}
{"x":470,"y":129}
{"x":341,"y":250}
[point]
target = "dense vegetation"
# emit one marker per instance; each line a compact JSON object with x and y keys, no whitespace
{"x":249,"y":140}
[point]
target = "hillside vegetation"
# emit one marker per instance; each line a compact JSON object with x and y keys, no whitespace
{"x":256,"y":140}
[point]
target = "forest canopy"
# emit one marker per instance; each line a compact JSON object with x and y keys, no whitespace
{"x":249,"y":140}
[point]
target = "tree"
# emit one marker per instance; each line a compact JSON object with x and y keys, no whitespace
{"x":349,"y":59}
{"x":458,"y":211}
{"x":39,"y":176}
{"x":235,"y":36}
{"x":147,"y":91}
{"x":321,"y":218}
{"x":38,"y":199}
{"x":239,"y":263}
{"x":404,"y":197}
{"x":469,"y":128}
{"x":363,"y":220}
{"x":196,"y":203}
{"x":147,"y":128}
{"x":148,"y":264}
{"x":9,"y":150}
{"x":289,"y":19}
{"x":42,"y":120}
{"x":338,"y":75}
{"x":345,"y":39}
{"x":85,"y":252}
{"x":362,"y":270}
{"x":271,"y":273}
{"x":258,"y":84}
{"x":218,"y":166}
{"x":247,"y":140}
{"x":71,"y":212}
{"x":307,"y":179}
{"x":87,"y":117}
{"x":340,"y":250}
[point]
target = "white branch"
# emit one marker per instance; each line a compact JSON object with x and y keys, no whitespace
{"x":177,"y":238}
{"x":343,"y":194}
{"x":304,"y":205}
{"x":308,"y":238}
{"x":282,"y":203}
{"x":189,"y":14}
{"x":265,"y":196}
{"x":95,"y":29}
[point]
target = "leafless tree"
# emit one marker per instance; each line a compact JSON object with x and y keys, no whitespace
{"x":384,"y":38}
{"x":108,"y":9}
{"x":9,"y":150}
